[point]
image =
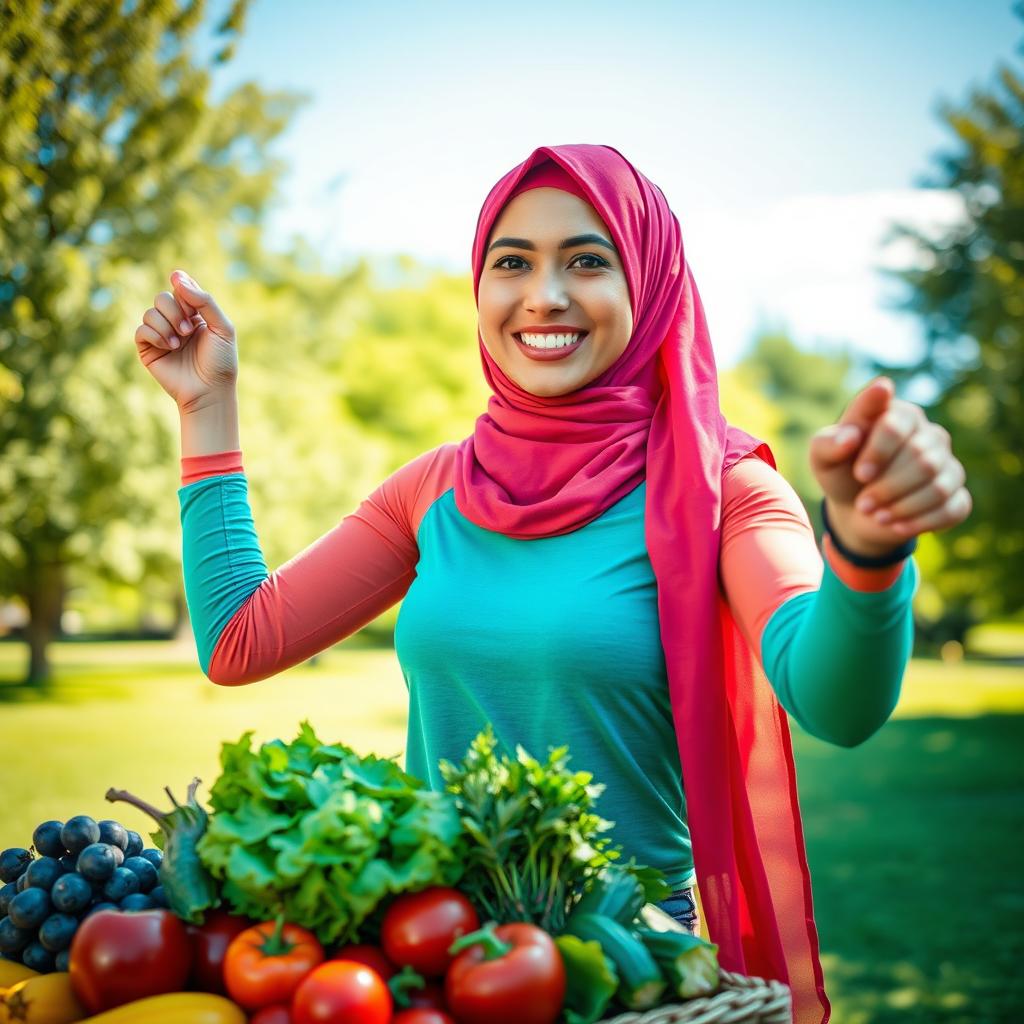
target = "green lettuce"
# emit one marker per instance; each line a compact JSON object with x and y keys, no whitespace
{"x":323,"y":835}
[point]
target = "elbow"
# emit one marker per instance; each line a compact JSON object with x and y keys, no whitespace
{"x":852,"y":734}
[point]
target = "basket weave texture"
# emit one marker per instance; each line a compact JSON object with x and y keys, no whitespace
{"x":740,"y":1000}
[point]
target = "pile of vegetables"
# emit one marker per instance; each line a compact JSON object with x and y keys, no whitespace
{"x":321,"y":885}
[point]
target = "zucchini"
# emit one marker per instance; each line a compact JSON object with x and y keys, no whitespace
{"x":690,"y":964}
{"x":640,"y":981}
{"x":615,"y":893}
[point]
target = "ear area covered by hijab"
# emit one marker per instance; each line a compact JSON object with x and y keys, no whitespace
{"x":539,"y":467}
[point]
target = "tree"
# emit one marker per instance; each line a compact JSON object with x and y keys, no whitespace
{"x":110,"y":152}
{"x":809,"y":390}
{"x":967,"y":286}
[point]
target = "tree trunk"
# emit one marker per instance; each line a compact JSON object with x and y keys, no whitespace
{"x":45,"y":599}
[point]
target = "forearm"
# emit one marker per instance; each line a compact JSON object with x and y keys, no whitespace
{"x":211,"y":427}
{"x":836,"y":657}
{"x":222,"y":563}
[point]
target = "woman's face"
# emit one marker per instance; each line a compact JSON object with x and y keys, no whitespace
{"x":551,"y":273}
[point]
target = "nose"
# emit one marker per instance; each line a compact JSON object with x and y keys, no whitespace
{"x":546,"y":292}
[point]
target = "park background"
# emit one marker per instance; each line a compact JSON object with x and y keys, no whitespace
{"x":850,"y":184}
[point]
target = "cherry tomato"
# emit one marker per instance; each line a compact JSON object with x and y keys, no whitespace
{"x":421,"y":1015}
{"x":117,"y":958}
{"x":277,"y":1014}
{"x":210,"y":941}
{"x":419,"y":927}
{"x":342,"y":990}
{"x":363,"y":953}
{"x":264,"y":964}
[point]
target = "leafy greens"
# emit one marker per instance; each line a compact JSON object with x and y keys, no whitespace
{"x":323,"y":835}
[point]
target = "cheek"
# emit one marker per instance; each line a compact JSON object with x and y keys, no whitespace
{"x":619,"y":318}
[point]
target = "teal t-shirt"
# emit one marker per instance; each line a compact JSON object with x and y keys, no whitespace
{"x":554,"y":641}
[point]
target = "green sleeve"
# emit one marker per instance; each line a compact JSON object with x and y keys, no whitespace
{"x":222,"y":563}
{"x":836,"y":656}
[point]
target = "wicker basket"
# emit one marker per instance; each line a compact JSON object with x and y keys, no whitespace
{"x":740,"y":1000}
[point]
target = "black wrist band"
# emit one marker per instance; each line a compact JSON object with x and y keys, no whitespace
{"x":867,"y":561}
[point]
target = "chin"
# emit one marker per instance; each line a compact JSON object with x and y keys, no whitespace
{"x":545,"y":388}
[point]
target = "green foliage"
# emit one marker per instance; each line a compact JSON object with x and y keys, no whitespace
{"x":968,"y":287}
{"x":110,"y":156}
{"x":323,"y":835}
{"x":806,"y":391}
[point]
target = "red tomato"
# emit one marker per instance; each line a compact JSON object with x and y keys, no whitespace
{"x":342,"y":990}
{"x":523,"y":981}
{"x":210,"y":942}
{"x":119,"y":957}
{"x":363,"y":953}
{"x":264,"y":964}
{"x":419,"y":927}
{"x":272,"y":1015}
{"x":422,"y":1016}
{"x":431,"y":996}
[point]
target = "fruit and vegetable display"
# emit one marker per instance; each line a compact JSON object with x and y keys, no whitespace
{"x":322,"y":886}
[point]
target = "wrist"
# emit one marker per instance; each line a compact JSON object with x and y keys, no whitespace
{"x":864,"y":554}
{"x":210,"y":425}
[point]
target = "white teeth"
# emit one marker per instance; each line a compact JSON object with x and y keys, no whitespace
{"x":549,"y":340}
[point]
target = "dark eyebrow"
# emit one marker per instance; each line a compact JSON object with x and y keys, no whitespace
{"x":569,"y":243}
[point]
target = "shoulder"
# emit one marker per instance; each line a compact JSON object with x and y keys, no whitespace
{"x":405,"y":495}
{"x":755,"y":491}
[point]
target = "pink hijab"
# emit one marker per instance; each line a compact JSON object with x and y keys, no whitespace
{"x":539,"y":467}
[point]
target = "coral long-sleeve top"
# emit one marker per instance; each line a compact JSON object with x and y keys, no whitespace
{"x":554,"y":641}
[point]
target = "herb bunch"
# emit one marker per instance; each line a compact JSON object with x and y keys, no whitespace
{"x":535,"y":836}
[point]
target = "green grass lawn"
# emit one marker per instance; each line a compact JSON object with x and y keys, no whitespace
{"x":914,"y":838}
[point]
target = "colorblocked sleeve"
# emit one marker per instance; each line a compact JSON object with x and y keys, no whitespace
{"x":250,"y":624}
{"x":833,"y":640}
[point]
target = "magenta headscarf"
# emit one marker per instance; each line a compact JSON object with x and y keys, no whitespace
{"x":539,"y":467}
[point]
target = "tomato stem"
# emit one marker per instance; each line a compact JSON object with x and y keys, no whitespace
{"x":486,"y":937}
{"x":404,"y":980}
{"x":276,"y":944}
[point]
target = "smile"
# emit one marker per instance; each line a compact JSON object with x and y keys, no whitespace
{"x":546,"y":347}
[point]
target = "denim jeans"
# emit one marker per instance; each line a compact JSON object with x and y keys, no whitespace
{"x":682,"y":906}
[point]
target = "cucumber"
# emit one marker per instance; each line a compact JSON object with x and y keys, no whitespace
{"x":640,"y":981}
{"x":616,"y":894}
{"x":690,"y":964}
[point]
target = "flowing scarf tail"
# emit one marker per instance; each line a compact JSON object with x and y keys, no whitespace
{"x":775,"y":883}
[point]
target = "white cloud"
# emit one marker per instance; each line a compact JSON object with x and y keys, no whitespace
{"x":808,"y":263}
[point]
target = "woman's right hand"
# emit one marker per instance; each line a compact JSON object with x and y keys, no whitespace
{"x":188,"y":344}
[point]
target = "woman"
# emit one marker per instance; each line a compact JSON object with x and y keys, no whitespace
{"x":604,"y":562}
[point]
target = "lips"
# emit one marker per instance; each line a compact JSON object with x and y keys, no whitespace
{"x":545,"y":355}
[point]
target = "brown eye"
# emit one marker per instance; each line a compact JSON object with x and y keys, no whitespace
{"x":590,"y":256}
{"x":498,"y":265}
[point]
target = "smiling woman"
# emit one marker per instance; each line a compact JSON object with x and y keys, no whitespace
{"x":554,"y":313}
{"x":604,"y":563}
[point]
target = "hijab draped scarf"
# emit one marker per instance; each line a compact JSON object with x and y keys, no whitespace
{"x":540,"y":467}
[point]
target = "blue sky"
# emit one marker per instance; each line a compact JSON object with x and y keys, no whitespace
{"x":786,"y":135}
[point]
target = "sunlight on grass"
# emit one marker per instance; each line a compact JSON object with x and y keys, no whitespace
{"x":960,"y":690}
{"x":933,"y":794}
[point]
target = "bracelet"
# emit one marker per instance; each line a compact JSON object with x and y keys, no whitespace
{"x":867,"y":561}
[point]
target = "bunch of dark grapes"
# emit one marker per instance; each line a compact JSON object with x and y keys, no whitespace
{"x":73,"y":869}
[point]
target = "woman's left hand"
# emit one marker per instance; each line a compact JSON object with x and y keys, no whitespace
{"x":887,"y":472}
